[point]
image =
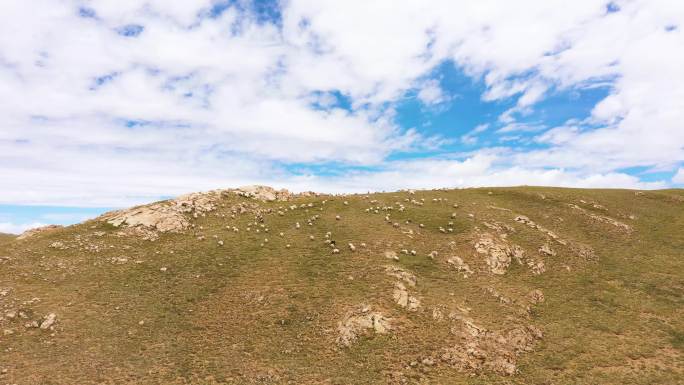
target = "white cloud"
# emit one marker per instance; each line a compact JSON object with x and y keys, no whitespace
{"x":678,"y":178}
{"x":431,"y":93}
{"x":17,"y":228}
{"x":229,"y":100}
{"x":521,"y":127}
{"x":470,"y":138}
{"x":479,"y":170}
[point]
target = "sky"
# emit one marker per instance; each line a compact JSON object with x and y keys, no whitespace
{"x":112,"y":103}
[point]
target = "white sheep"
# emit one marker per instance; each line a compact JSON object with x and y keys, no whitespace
{"x":352,"y":247}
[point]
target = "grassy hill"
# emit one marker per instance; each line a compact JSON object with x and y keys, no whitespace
{"x":6,"y":237}
{"x":473,"y":286}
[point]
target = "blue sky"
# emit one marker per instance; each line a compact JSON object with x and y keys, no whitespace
{"x":111,"y":104}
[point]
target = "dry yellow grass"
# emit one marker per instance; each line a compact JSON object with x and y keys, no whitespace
{"x":183,"y":309}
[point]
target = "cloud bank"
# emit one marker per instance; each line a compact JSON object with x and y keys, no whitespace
{"x":110,"y":103}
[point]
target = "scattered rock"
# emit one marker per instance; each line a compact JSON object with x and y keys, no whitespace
{"x":389,"y":254}
{"x":403,"y":298}
{"x":361,"y":322}
{"x":546,"y":250}
{"x":401,"y":274}
{"x":48,"y":321}
{"x":460,"y":266}
{"x":536,"y":296}
{"x":604,"y":219}
{"x":497,"y":253}
{"x":58,"y":245}
{"x":484,"y":350}
{"x":532,"y":224}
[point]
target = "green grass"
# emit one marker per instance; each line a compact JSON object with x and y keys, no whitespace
{"x":245,"y":314}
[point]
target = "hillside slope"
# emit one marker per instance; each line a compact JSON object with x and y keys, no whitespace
{"x":472,"y":286}
{"x":6,"y":237}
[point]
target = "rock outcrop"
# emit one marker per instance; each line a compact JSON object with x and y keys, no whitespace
{"x":38,"y":230}
{"x":263,"y":193}
{"x":497,"y":253}
{"x":173,"y":215}
{"x":361,"y":322}
{"x":481,"y":350}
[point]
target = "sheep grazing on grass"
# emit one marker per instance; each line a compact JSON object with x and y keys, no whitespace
{"x":413,"y":252}
{"x":337,"y":217}
{"x":335,"y":251}
{"x":281,"y":234}
{"x":433,"y":254}
{"x":346,"y":203}
{"x":287,"y":246}
{"x":311,"y":237}
{"x":363,"y":244}
{"x":421,"y":225}
{"x":220,"y":243}
{"x":395,"y":224}
{"x":404,"y":251}
{"x":297,"y":225}
{"x":352,"y":247}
